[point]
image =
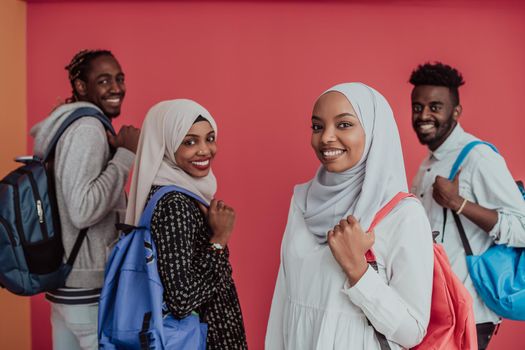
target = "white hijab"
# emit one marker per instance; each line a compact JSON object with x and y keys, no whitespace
{"x":163,"y":130}
{"x":365,"y":188}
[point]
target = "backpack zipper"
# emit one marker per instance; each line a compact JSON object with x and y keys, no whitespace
{"x":38,"y":202}
{"x":18,"y":214}
{"x":8,"y":229}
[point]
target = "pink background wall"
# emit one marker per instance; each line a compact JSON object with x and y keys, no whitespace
{"x":258,"y":67}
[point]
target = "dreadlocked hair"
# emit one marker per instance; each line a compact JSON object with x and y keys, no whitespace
{"x":438,"y":74}
{"x":79,"y":67}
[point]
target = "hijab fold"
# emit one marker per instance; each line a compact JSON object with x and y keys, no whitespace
{"x":164,"y":128}
{"x":365,"y":188}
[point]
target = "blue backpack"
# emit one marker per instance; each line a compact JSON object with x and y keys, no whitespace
{"x":132,"y":314}
{"x":499,"y":273}
{"x":31,"y":250}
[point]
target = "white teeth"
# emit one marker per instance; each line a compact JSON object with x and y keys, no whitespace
{"x":113,"y":100}
{"x":332,"y":153}
{"x":203,"y":163}
{"x":425,"y":127}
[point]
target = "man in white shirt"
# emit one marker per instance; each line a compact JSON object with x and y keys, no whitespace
{"x":483,"y":193}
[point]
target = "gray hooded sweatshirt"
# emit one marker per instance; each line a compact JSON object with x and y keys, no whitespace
{"x":89,"y":189}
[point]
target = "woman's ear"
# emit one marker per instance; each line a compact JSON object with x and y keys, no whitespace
{"x":80,"y":87}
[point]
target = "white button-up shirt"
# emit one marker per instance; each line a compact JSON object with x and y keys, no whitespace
{"x":485,"y":180}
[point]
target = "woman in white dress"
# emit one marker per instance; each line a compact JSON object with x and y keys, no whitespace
{"x":327,"y":296}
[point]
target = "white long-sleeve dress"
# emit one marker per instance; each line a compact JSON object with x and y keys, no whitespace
{"x":313,"y":306}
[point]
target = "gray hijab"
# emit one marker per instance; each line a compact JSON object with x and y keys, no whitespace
{"x":363,"y":189}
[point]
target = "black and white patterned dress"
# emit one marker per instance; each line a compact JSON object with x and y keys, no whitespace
{"x":196,"y":277}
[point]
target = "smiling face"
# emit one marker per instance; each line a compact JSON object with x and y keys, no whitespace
{"x":338,"y":137}
{"x":434,"y":115}
{"x":104,"y":85}
{"x":197,"y":150}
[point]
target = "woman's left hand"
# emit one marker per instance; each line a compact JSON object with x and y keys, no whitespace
{"x":349,"y":244}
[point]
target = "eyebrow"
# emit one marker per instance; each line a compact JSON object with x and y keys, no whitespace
{"x":337,"y":116}
{"x":107,"y":75}
{"x":103,"y":75}
{"x":194,"y":135}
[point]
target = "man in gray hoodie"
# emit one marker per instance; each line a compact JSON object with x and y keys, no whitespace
{"x":91,"y":168}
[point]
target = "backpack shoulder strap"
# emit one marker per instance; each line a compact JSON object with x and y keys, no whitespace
{"x":455,"y":168}
{"x":463,"y":154}
{"x":370,"y":256}
{"x":381,"y":214}
{"x":145,"y":218}
{"x":77,"y":114}
{"x":387,"y":208}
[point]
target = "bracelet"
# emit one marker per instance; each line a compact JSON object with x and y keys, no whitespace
{"x":458,"y":212}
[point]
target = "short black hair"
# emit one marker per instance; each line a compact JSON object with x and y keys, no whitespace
{"x":79,"y":67}
{"x":438,"y":74}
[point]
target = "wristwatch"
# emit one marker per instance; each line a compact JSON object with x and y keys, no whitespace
{"x":216,"y":246}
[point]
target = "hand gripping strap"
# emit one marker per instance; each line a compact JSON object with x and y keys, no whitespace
{"x":387,"y":208}
{"x":455,"y":168}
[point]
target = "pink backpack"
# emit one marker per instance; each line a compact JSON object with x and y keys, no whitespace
{"x":452,"y":324}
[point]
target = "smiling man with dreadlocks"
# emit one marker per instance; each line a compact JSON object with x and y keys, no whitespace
{"x":91,"y":168}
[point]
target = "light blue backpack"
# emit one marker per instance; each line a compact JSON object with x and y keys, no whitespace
{"x":132,"y":314}
{"x":499,"y":273}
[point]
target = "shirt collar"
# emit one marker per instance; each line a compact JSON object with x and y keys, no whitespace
{"x":450,"y":143}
